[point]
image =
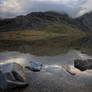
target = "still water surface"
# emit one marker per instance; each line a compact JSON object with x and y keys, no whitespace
{"x":55,"y":76}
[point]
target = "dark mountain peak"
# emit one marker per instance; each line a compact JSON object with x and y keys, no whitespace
{"x":85,"y":21}
{"x":57,"y":13}
{"x":36,"y":20}
{"x":40,"y":14}
{"x":33,"y":20}
{"x":85,"y":15}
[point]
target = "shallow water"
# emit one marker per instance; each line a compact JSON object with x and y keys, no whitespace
{"x":55,"y":75}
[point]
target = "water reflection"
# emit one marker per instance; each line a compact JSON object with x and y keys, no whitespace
{"x":58,"y":67}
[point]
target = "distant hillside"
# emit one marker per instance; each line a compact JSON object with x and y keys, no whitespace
{"x":34,"y":20}
{"x":46,"y":33}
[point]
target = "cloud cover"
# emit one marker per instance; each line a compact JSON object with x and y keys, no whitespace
{"x":74,"y":8}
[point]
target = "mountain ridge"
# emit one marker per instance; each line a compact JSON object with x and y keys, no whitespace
{"x":35,"y":20}
{"x":85,"y":22}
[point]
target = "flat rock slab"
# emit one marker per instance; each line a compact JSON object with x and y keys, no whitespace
{"x":34,"y":66}
{"x":12,"y":75}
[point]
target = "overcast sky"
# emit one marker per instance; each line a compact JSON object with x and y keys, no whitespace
{"x":74,"y":8}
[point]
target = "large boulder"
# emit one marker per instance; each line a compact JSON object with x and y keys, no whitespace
{"x":34,"y":66}
{"x":12,"y":75}
{"x":83,"y":64}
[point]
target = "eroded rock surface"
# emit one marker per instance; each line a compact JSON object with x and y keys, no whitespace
{"x":34,"y":66}
{"x":12,"y":75}
{"x":83,"y":64}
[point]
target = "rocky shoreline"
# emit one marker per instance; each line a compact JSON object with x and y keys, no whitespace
{"x":45,"y":74}
{"x":13,"y":75}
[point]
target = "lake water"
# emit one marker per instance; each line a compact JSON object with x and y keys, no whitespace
{"x":54,"y":77}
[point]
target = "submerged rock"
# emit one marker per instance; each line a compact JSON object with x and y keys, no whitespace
{"x":12,"y":75}
{"x":83,"y":64}
{"x":34,"y":66}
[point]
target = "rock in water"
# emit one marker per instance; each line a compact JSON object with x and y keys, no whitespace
{"x":12,"y":75}
{"x":83,"y":64}
{"x":89,"y":62}
{"x":80,"y":64}
{"x":69,"y":69}
{"x":34,"y":66}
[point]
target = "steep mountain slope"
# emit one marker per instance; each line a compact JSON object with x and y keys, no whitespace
{"x":85,"y":22}
{"x":34,"y":20}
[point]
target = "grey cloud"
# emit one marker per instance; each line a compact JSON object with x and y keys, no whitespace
{"x":73,"y":8}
